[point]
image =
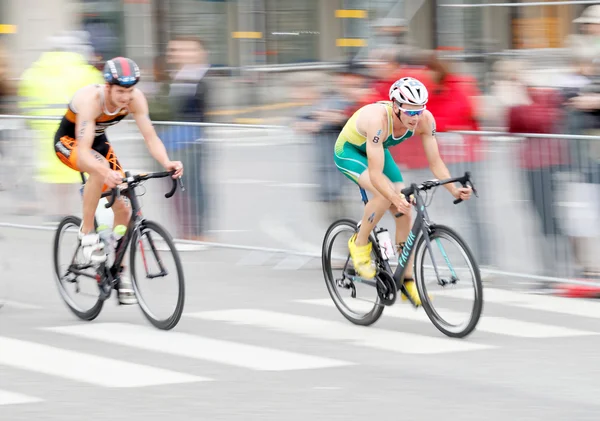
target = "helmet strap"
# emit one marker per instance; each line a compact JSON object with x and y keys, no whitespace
{"x":398,"y":113}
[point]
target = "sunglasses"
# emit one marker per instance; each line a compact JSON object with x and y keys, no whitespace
{"x":412,"y":113}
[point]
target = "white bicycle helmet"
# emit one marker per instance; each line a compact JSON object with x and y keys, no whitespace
{"x":409,"y":91}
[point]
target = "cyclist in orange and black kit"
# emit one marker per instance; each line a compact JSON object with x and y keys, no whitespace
{"x":81,"y":144}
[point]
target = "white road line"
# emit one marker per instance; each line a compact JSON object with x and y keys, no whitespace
{"x":10,"y":398}
{"x":83,"y":367}
{"x":20,"y":305}
{"x":339,"y":331}
{"x":255,"y":258}
{"x":534,"y":302}
{"x":198,"y":347}
{"x":491,"y":324}
{"x":291,"y":262}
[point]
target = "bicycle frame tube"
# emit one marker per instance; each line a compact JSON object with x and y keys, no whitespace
{"x":122,"y":246}
{"x":411,"y":240}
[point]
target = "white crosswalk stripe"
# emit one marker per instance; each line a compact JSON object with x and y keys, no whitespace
{"x":533,"y":302}
{"x":492,"y":324}
{"x":193,"y":346}
{"x":106,"y":366}
{"x":87,"y":368}
{"x":11,"y":398}
{"x":317,"y":328}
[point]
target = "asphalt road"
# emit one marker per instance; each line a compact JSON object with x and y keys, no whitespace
{"x":262,"y":342}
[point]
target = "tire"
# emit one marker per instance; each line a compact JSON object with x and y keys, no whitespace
{"x":439,"y":231}
{"x":93,"y":312}
{"x":370,"y":317}
{"x":171,"y":321}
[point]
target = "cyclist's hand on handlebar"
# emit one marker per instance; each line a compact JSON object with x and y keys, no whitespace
{"x":112,"y":179}
{"x":401,"y":204}
{"x":463,"y":193}
{"x":176,"y":166}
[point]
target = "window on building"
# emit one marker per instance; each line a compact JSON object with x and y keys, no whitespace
{"x":103,"y":19}
{"x":291,"y":31}
{"x":206,"y":19}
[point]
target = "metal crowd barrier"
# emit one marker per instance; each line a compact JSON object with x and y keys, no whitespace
{"x":261,"y":187}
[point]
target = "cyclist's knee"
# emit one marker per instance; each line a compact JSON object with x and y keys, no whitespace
{"x":95,"y":180}
{"x":394,"y":211}
{"x":381,"y":202}
{"x":121,"y":207}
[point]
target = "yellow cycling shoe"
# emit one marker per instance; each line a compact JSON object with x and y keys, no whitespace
{"x":411,"y":288}
{"x":361,"y":257}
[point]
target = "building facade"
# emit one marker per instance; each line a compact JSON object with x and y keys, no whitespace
{"x":267,"y":32}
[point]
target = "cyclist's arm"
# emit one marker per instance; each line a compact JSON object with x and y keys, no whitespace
{"x":377,"y":132}
{"x":427,"y":131}
{"x":141,"y":115}
{"x":85,"y":132}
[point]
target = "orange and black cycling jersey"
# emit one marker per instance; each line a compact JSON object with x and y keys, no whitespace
{"x":65,"y":140}
{"x":103,"y":121}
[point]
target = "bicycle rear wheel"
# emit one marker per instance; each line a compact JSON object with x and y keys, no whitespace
{"x":65,"y":277}
{"x":449,"y":272}
{"x":149,"y":241}
{"x":358,"y":311}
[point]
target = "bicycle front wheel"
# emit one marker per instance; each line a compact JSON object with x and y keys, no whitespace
{"x":447,"y":276}
{"x":161,"y":301}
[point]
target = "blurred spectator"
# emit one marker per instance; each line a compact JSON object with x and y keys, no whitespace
{"x":581,"y":189}
{"x":506,"y":91}
{"x":541,"y":159}
{"x":187,"y":102}
{"x":45,"y":90}
{"x":158,"y":103}
{"x":589,"y":23}
{"x":323,"y":121}
{"x":451,"y":101}
{"x":390,"y":64}
{"x":6,"y":92}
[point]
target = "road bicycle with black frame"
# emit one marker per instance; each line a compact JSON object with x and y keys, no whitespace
{"x":139,"y":230}
{"x":388,"y":282}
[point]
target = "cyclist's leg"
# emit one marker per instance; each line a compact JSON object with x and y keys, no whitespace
{"x":121,"y":207}
{"x":403,"y":224}
{"x":68,"y":153}
{"x":122,"y":211}
{"x":353,"y":164}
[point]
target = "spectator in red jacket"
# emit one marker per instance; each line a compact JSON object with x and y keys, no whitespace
{"x":451,"y":101}
{"x":541,"y":159}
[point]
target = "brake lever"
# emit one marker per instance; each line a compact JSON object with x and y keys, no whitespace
{"x":116,"y":192}
{"x":466,"y":183}
{"x":175,"y":182}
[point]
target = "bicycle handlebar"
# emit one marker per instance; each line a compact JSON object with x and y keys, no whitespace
{"x":114,"y":193}
{"x":426,"y":185}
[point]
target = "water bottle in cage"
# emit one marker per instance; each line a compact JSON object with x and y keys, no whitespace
{"x":385,"y":243}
